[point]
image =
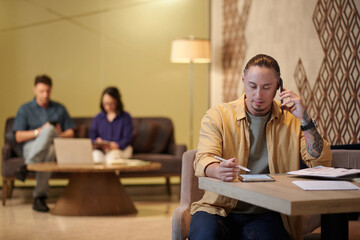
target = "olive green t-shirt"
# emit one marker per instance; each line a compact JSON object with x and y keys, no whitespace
{"x":258,"y":157}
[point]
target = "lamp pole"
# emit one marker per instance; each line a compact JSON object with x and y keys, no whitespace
{"x":191,"y":85}
{"x":190,"y":51}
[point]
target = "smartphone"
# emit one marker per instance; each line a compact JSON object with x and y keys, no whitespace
{"x":281,"y":89}
{"x":255,"y":178}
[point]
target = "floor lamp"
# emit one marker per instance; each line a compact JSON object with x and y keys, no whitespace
{"x":190,"y":51}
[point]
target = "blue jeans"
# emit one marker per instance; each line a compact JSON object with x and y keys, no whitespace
{"x":41,"y":149}
{"x":264,"y":226}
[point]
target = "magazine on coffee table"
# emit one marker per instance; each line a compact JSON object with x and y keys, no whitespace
{"x":128,"y":162}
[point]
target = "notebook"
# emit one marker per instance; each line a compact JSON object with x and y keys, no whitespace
{"x":73,"y":150}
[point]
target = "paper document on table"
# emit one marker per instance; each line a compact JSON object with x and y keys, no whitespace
{"x":321,"y":171}
{"x":325,"y":185}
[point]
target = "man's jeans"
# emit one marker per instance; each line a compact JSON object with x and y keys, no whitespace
{"x":264,"y":226}
{"x":41,"y":149}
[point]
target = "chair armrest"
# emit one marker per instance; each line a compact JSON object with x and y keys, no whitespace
{"x":190,"y":191}
{"x":181,"y":222}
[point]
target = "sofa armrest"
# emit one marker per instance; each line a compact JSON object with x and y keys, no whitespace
{"x":6,"y":152}
{"x":10,"y":161}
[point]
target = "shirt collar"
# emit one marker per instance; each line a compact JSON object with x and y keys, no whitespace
{"x":35,"y":104}
{"x":103,"y":115}
{"x":240,"y":109}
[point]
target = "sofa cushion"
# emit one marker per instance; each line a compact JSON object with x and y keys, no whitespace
{"x":145,"y":136}
{"x":151,"y":137}
{"x":81,"y":131}
{"x":163,"y":136}
{"x":82,"y":127}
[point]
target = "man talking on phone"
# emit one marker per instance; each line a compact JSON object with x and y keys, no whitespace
{"x":36,"y":124}
{"x":258,"y":133}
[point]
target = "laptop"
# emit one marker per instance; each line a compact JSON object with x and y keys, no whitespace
{"x":73,"y":151}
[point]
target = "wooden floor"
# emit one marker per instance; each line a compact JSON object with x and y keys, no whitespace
{"x":153,"y":220}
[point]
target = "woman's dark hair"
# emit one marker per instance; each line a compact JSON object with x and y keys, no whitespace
{"x":114,"y":93}
{"x":263,"y":60}
{"x":43,"y":79}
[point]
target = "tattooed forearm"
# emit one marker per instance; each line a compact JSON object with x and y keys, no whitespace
{"x":314,"y":142}
{"x":306,"y":118}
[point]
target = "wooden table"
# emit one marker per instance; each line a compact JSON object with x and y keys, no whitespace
{"x":285,"y":197}
{"x":93,"y":190}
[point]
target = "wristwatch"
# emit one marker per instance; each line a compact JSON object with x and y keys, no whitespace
{"x":36,"y":132}
{"x":308,"y":126}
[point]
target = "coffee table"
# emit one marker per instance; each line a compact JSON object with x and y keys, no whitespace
{"x":93,"y":190}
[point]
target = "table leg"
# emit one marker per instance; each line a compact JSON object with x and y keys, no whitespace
{"x":334,"y":226}
{"x":94,"y":194}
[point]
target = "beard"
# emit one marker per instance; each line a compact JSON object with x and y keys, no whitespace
{"x":261,"y":110}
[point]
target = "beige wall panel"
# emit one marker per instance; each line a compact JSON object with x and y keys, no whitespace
{"x":284,"y":30}
{"x":86,"y":46}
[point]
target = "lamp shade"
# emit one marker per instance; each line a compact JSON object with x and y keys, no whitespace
{"x":190,"y":50}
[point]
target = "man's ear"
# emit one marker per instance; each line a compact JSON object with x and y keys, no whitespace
{"x":242,"y":77}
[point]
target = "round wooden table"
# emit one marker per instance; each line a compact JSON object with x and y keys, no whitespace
{"x":93,"y":190}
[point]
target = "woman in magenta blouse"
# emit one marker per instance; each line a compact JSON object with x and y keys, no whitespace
{"x":111,"y":130}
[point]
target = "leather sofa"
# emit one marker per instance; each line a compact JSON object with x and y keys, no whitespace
{"x":153,"y":141}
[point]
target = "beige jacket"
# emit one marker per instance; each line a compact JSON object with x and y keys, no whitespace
{"x":225,"y":132}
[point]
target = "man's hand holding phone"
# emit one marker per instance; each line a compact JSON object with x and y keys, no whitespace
{"x":292,"y":102}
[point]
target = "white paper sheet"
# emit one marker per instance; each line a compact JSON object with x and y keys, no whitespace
{"x":325,"y":185}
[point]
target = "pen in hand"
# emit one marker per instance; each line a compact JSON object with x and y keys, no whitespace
{"x":223,"y":160}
